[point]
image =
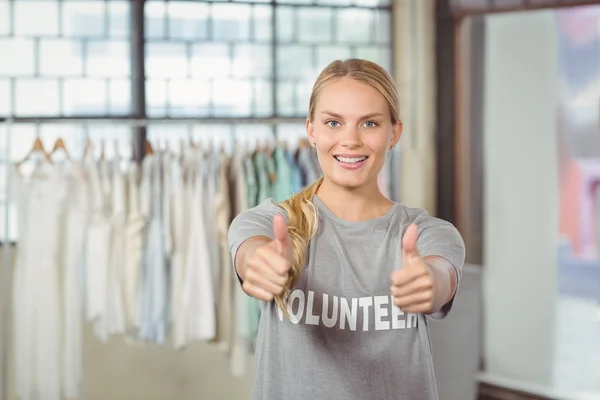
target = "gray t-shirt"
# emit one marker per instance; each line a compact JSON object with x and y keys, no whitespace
{"x":345,"y":340}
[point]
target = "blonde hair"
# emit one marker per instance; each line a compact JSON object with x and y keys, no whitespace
{"x":302,"y":214}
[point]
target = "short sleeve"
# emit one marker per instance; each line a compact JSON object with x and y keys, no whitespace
{"x":256,"y":221}
{"x":440,"y":238}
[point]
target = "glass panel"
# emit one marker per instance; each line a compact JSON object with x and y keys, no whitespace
{"x":190,"y":97}
{"x":210,"y":60}
{"x":77,"y":98}
{"x":84,"y":18}
{"x":373,"y":3}
{"x":286,"y":99}
{"x":263,"y":16}
{"x":5,"y":95}
{"x":60,"y":57}
{"x":119,"y":25}
{"x":286,"y":24}
{"x":37,"y":97}
{"x":226,"y":105}
{"x":379,"y":55}
{"x":4,"y":18}
{"x":354,"y":26}
{"x":35,"y":18}
{"x":327,"y":54}
{"x":156,"y":97}
{"x":166,"y":60}
{"x":303,"y":90}
{"x":188,"y":20}
{"x":231,"y":22}
{"x":263,"y":100}
{"x":22,"y":57}
{"x":295,"y":1}
{"x":155,"y":14}
{"x":383,"y":30}
{"x":294,"y":61}
{"x":120,"y":97}
{"x":334,"y":2}
{"x":314,"y":24}
{"x":108,"y":58}
{"x":252,"y":60}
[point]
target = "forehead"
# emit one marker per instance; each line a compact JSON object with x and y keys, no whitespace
{"x":350,"y":96}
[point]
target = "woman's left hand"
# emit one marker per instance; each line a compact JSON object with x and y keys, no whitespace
{"x":413,"y":286}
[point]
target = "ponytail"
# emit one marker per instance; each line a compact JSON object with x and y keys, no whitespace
{"x":302,"y":226}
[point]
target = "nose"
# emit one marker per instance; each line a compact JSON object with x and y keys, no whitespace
{"x":351,"y":137}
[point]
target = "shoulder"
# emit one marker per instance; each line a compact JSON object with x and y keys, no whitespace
{"x":419,"y":216}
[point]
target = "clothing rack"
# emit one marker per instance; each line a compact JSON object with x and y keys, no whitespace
{"x":6,"y":273}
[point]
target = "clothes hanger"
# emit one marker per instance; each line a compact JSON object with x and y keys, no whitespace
{"x":59,"y":144}
{"x":88,"y":147}
{"x":148,"y":150}
{"x":102,"y":149}
{"x":38,"y":146}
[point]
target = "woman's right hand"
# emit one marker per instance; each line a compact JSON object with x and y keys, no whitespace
{"x":267,"y":267}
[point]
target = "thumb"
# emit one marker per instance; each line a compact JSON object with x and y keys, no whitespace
{"x":409,"y":242}
{"x":280,"y":231}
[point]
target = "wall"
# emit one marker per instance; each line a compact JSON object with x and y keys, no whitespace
{"x":520,"y":195}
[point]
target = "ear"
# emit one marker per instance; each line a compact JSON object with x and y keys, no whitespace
{"x":396,"y":133}
{"x":310,"y":131}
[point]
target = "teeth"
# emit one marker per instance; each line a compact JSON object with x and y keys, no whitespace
{"x":350,"y":160}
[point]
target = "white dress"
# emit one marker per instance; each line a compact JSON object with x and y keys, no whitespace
{"x":37,"y":319}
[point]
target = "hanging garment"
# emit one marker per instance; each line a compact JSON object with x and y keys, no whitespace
{"x":198,"y":298}
{"x":295,"y":174}
{"x":36,"y":284}
{"x":75,"y":223}
{"x":209,"y":172}
{"x":180,"y":209}
{"x":115,"y":310}
{"x":98,"y":242}
{"x":283,"y":186}
{"x":251,"y":182}
{"x":310,"y":174}
{"x":222,"y":213}
{"x":153,"y":322}
{"x":239,"y":201}
{"x":134,"y":243}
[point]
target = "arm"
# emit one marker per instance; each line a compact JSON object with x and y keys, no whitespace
{"x":445,"y":278}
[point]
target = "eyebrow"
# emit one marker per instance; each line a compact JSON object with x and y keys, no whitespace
{"x":336,"y":115}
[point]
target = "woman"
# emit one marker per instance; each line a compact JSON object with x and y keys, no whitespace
{"x":347,"y":276}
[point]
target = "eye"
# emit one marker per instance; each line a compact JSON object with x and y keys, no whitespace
{"x":333,"y":124}
{"x":370,"y":124}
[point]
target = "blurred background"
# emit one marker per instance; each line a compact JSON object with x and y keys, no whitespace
{"x":501,"y":109}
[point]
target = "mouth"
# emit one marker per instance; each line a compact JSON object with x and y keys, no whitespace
{"x":350,"y":161}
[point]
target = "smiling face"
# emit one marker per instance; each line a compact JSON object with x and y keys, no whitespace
{"x":352,"y":129}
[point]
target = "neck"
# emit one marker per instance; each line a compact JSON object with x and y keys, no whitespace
{"x":358,"y":204}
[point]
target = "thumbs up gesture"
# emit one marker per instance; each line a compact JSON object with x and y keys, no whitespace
{"x":412,"y":284}
{"x":268,"y":266}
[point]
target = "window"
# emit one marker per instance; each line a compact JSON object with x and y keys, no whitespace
{"x":223,"y":59}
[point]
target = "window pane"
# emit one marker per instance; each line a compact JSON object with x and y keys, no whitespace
{"x":373,"y":3}
{"x":383,"y":30}
{"x":83,"y":18}
{"x":189,"y":97}
{"x":120,"y":96}
{"x":285,"y":24}
{"x":35,"y":18}
{"x":295,"y":1}
{"x":78,"y":98}
{"x":119,"y":17}
{"x":4,"y":18}
{"x":303,"y":90}
{"x":37,"y":97}
{"x":187,"y":20}
{"x":231,"y":22}
{"x":354,"y":26}
{"x":166,"y":60}
{"x":263,"y":16}
{"x":314,"y":24}
{"x":155,"y":14}
{"x":379,"y":55}
{"x":5,"y":103}
{"x":286,"y":99}
{"x":327,"y":54}
{"x":156,"y":97}
{"x":210,"y":60}
{"x":110,"y":59}
{"x":226,"y":105}
{"x":295,"y":62}
{"x":252,"y":60}
{"x":22,"y":57}
{"x":60,"y":57}
{"x":263,"y":100}
{"x":335,"y":2}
